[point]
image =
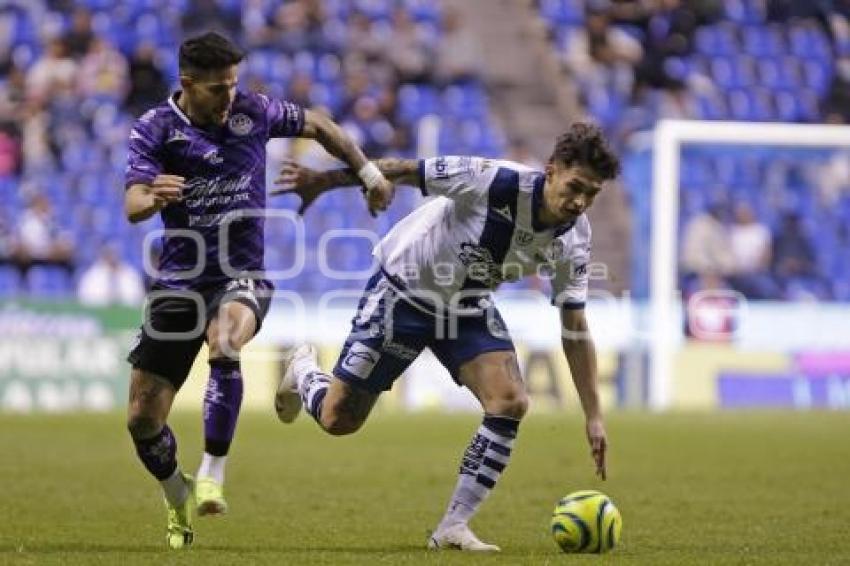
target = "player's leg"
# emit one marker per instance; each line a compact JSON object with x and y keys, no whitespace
{"x":374,"y":355}
{"x":338,"y":407}
{"x":493,"y":377}
{"x":161,"y":362}
{"x":150,"y":402}
{"x":236,"y":320}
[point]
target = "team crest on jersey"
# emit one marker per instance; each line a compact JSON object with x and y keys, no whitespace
{"x":240,"y":124}
{"x":523,"y":237}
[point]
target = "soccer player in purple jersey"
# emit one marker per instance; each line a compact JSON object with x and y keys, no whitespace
{"x":199,"y":160}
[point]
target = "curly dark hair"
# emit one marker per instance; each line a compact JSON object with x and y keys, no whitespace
{"x":208,"y":52}
{"x":584,"y":144}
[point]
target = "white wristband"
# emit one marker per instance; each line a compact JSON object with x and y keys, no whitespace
{"x":370,"y":175}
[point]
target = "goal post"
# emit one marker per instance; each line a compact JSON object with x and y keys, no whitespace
{"x":664,"y":297}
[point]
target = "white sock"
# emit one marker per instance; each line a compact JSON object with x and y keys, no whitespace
{"x":483,"y":463}
{"x":175,"y":488}
{"x":302,"y":366}
{"x":212,"y":467}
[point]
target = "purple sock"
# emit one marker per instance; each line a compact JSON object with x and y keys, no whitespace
{"x":221,"y":405}
{"x":158,"y":454}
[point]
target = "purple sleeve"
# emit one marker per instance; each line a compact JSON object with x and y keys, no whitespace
{"x":144,"y":152}
{"x":285,"y":119}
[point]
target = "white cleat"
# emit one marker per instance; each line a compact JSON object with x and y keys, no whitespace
{"x":287,"y":401}
{"x":459,"y":537}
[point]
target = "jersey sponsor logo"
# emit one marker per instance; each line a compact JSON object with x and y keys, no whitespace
{"x":523,"y":237}
{"x":480,"y":264}
{"x":240,"y":124}
{"x":360,"y":360}
{"x":505,"y":212}
{"x":177,"y":136}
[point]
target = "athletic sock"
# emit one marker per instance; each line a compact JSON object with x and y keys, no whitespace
{"x":222,"y":402}
{"x":483,"y":463}
{"x":159,"y":456}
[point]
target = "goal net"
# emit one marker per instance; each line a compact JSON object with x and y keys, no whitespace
{"x":779,"y":170}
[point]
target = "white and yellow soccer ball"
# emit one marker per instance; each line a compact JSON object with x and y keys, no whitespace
{"x":586,"y":521}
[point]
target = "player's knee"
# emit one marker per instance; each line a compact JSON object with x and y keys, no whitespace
{"x":512,"y":404}
{"x":143,"y":426}
{"x":340,"y":425}
{"x":226,"y":347}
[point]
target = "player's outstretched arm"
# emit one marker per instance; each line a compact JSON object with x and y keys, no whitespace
{"x":379,"y":191}
{"x":581,"y":357}
{"x":141,"y":201}
{"x":309,"y":183}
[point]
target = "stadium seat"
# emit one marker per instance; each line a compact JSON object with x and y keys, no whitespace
{"x":10,"y":281}
{"x":48,"y":281}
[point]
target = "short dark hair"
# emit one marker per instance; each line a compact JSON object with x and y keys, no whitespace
{"x":584,"y":145}
{"x":208,"y":52}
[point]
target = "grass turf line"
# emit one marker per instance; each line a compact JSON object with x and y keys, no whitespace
{"x":731,"y":488}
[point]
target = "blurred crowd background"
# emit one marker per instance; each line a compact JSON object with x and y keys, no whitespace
{"x":772,"y":224}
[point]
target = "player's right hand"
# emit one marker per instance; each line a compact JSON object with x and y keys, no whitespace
{"x":598,"y":440}
{"x":380,"y":196}
{"x":299,"y":180}
{"x":167,"y":189}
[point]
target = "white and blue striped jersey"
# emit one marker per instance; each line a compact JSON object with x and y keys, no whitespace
{"x":481,"y":230}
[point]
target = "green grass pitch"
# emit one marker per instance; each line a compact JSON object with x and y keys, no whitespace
{"x":732,"y":488}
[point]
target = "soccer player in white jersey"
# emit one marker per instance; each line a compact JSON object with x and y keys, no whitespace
{"x":492,"y":221}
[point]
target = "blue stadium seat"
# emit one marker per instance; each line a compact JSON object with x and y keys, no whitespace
{"x":10,"y":281}
{"x":817,"y":75}
{"x":374,"y":9}
{"x":717,"y":40}
{"x":48,"y":281}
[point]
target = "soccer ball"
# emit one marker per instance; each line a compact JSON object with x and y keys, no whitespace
{"x":586,"y":521}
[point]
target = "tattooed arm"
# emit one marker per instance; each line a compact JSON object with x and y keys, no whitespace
{"x":309,"y":184}
{"x":339,"y":144}
{"x":581,"y":357}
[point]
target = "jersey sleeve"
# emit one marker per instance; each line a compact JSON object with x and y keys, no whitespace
{"x":570,"y":281}
{"x":144,"y":157}
{"x":460,"y":178}
{"x":285,"y":119}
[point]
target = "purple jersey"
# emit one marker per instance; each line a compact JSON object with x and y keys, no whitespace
{"x":225,"y":171}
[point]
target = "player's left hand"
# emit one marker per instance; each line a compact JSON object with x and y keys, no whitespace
{"x":298,"y":180}
{"x":380,"y":196}
{"x":598,"y":441}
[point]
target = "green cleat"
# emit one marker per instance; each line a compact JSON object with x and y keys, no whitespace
{"x":179,"y":533}
{"x":210,"y":497}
